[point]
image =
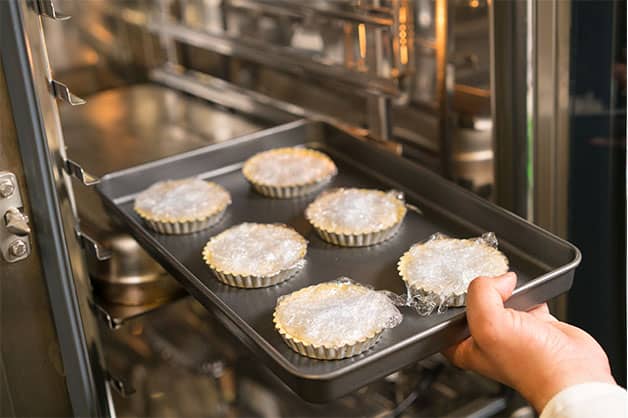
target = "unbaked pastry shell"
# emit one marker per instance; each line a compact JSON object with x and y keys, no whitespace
{"x":325,"y":352}
{"x":185,"y":225}
{"x":289,"y":191}
{"x":251,"y":281}
{"x":361,"y":239}
{"x":452,"y":300}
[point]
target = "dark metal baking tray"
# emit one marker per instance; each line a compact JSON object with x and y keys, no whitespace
{"x":544,"y":263}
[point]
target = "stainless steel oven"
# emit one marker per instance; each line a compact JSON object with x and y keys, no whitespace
{"x":460,"y":88}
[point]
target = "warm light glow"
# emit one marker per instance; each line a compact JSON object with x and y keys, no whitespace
{"x":474,"y":3}
{"x":403,"y":14}
{"x":403,"y":35}
{"x":403,"y":54}
{"x":362,"y":39}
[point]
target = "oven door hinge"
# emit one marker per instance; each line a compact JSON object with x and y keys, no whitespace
{"x":15,"y":230}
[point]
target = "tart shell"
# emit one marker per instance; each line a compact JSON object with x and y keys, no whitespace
{"x":172,"y":225}
{"x":325,"y":352}
{"x":452,"y":300}
{"x":251,"y":281}
{"x":289,"y":191}
{"x":360,"y":239}
{"x":181,"y":227}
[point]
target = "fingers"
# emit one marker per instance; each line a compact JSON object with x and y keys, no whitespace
{"x":485,"y":304}
{"x":542,"y":308}
{"x":542,"y":312}
{"x":462,"y":354}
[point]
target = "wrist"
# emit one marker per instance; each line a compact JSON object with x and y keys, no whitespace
{"x":545,"y":388}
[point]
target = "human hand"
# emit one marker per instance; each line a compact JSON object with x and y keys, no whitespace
{"x":532,"y":351}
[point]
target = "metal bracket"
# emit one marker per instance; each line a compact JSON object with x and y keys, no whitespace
{"x":15,"y":231}
{"x":90,"y":245}
{"x":74,"y":169}
{"x":62,"y":92}
{"x":124,"y":389}
{"x":47,"y":8}
{"x":110,"y":321}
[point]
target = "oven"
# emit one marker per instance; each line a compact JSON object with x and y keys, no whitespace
{"x":99,"y":96}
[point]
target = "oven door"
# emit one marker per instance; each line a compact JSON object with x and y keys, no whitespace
{"x":52,"y":364}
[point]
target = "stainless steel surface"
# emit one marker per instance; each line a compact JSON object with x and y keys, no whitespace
{"x":183,"y":362}
{"x":137,"y":124}
{"x":550,"y":104}
{"x":16,"y":222}
{"x":63,"y":93}
{"x":7,"y":187}
{"x":47,"y":8}
{"x":115,"y":315}
{"x":130,"y":126}
{"x":75,"y":169}
{"x":509,"y":104}
{"x":226,"y":94}
{"x":15,"y":243}
{"x":93,"y":248}
{"x":325,"y":60}
{"x":544,"y":263}
{"x":30,"y":362}
{"x":272,"y":56}
{"x":550,"y":96}
{"x":42,"y":152}
{"x":444,"y":82}
{"x":131,"y":277}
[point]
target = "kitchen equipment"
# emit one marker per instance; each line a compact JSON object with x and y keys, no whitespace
{"x":131,"y":276}
{"x":543,"y":262}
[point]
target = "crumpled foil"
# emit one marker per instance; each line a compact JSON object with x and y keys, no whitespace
{"x":256,"y":249}
{"x":438,"y":271}
{"x":336,"y":313}
{"x":181,"y":200}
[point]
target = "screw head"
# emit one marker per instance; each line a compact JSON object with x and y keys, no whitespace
{"x":7,"y":188}
{"x":18,"y":248}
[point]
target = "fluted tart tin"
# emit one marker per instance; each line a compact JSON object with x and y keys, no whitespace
{"x":183,"y":206}
{"x":354,"y":217}
{"x":437,"y":272}
{"x":334,"y":320}
{"x":289,"y":172}
{"x":252,"y":255}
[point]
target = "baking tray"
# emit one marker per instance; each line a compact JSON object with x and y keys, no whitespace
{"x":544,"y":263}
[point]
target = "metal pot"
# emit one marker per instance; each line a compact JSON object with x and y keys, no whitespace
{"x":130,"y":276}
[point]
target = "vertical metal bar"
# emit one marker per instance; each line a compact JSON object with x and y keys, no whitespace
{"x":551,"y":130}
{"x":509,"y":86}
{"x":41,"y":147}
{"x":551,"y":135}
{"x":377,"y":106}
{"x":444,"y":12}
{"x":169,"y":45}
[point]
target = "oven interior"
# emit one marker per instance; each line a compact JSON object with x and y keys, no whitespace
{"x":167,"y":76}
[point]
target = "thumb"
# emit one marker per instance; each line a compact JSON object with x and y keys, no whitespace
{"x":485,"y":304}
